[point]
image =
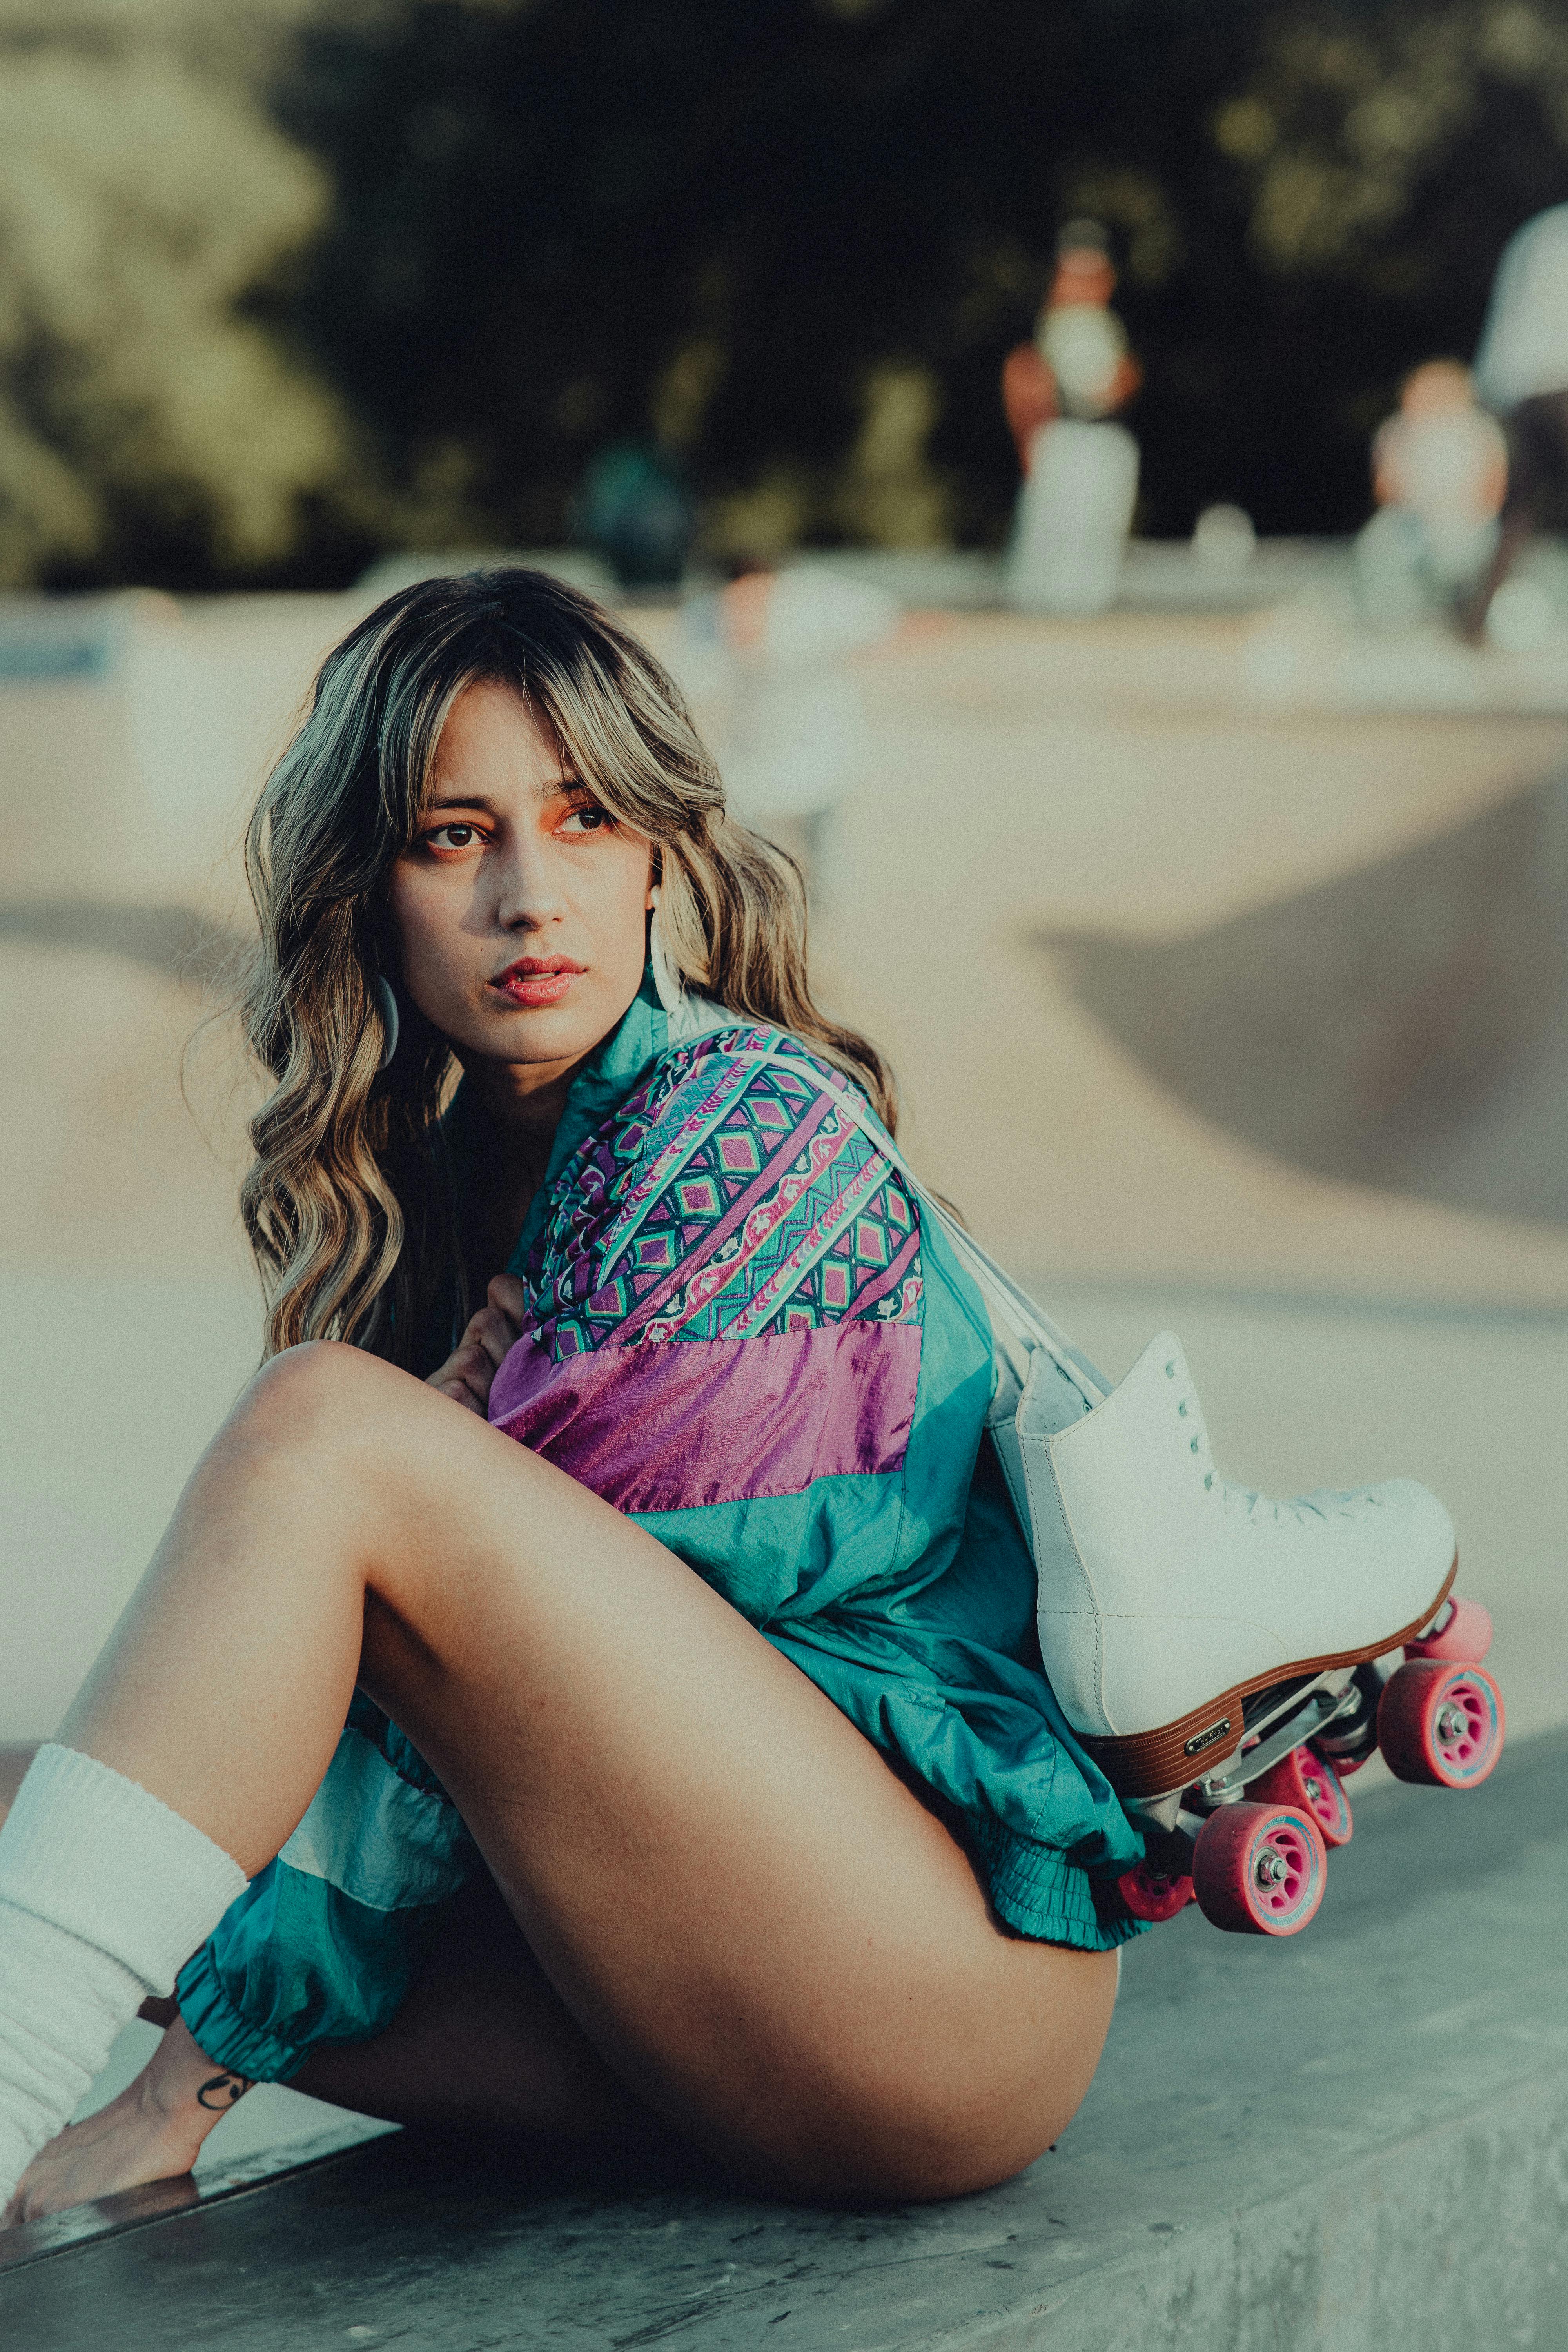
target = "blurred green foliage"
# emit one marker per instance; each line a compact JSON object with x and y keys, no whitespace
{"x":288,"y":284}
{"x":148,"y":426}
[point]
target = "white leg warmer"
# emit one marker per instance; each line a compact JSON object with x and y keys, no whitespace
{"x":104,"y":1895}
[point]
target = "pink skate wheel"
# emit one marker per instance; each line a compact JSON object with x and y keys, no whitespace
{"x":1441,"y":1724}
{"x":1260,"y":1870}
{"x":1148,"y":1895}
{"x":1463,"y":1633}
{"x":1309,"y":1781}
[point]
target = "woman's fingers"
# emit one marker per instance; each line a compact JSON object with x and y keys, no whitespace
{"x":466,"y":1374}
{"x":493,"y":1331}
{"x":507,"y":1293}
{"x":452,"y":1385}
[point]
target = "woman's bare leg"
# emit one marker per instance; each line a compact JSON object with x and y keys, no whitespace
{"x":482,"y":2046}
{"x":759,"y":1928}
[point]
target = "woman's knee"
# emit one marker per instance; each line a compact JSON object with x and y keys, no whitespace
{"x":322,"y":1395}
{"x":312,"y":1378}
{"x":303,"y":1436}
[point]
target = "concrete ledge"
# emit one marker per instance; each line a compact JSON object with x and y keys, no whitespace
{"x":1357,"y":2142}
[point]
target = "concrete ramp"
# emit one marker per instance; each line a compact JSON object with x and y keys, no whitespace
{"x":1352,"y":2142}
{"x":1403,"y":1026}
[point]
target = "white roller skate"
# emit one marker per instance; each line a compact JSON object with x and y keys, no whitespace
{"x":1198,"y":1636}
{"x":1168,"y":1597}
{"x":1212,"y":1648}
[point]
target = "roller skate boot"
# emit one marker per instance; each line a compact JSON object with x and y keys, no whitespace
{"x":1213,"y":1649}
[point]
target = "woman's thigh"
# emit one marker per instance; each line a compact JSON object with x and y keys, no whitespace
{"x":484,"y":2044}
{"x":771,"y":1939}
{"x":767,"y":1937}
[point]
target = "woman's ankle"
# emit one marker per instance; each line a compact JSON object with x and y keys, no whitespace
{"x":182,"y":2090}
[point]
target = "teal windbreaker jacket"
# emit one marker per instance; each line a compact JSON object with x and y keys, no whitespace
{"x":742,"y":1332}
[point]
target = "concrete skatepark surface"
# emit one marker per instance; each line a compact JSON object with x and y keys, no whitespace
{"x":1135,"y":940}
{"x":1351,"y":2141}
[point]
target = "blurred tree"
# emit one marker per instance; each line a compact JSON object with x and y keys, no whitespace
{"x":148,"y":428}
{"x":787,"y":242}
{"x":1387,"y":151}
{"x":1381,"y":144}
{"x":794,"y":238}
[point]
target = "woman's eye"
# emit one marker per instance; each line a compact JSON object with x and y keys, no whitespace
{"x":453,"y":836}
{"x":587,"y":819}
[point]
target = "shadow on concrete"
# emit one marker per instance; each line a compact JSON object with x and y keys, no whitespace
{"x":1403,"y":1026}
{"x":173,"y":939}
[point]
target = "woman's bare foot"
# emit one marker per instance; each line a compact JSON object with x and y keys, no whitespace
{"x":152,"y":2131}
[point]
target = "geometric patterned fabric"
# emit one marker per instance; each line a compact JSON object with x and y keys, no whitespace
{"x":728,"y":1199}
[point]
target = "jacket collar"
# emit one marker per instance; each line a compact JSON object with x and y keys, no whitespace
{"x":643,"y":1035}
{"x":608,"y":1076}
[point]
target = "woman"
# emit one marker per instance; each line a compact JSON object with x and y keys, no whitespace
{"x":725,"y":1675}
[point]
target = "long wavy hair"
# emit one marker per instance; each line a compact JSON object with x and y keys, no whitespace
{"x":349,"y":1205}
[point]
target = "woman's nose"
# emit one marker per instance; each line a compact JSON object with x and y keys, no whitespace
{"x":528,"y":891}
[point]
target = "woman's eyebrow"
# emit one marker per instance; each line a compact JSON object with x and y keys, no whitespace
{"x":550,"y":791}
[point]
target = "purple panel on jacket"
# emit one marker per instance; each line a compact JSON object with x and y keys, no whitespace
{"x":665,"y":1426}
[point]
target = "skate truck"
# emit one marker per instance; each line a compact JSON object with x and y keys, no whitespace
{"x":1248,"y":1840}
{"x":1218,"y":1654}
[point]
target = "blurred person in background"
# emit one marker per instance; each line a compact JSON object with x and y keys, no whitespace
{"x":1080,"y":471}
{"x":1439,"y":475}
{"x":772,"y":656}
{"x":1521,"y":373}
{"x":1078,"y":362}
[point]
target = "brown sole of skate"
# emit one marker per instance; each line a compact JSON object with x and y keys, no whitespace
{"x":1154,"y":1763}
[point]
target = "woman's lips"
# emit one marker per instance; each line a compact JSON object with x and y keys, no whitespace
{"x":537,"y":980}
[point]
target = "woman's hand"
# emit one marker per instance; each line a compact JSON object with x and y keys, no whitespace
{"x":466,"y":1374}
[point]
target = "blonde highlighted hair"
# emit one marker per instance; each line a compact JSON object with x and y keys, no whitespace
{"x":349,"y":1205}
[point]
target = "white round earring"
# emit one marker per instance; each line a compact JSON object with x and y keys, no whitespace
{"x":668,"y":983}
{"x":387,"y":1003}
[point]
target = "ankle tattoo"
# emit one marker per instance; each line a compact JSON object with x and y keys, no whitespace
{"x":223,"y":2091}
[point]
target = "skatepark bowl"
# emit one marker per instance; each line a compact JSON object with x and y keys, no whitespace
{"x":1216,"y":1003}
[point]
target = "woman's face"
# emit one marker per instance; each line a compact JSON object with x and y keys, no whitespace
{"x":520,"y":910}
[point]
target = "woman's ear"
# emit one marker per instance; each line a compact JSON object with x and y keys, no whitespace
{"x":667,"y":980}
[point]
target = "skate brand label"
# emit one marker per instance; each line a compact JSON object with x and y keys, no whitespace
{"x":1203,"y":1740}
